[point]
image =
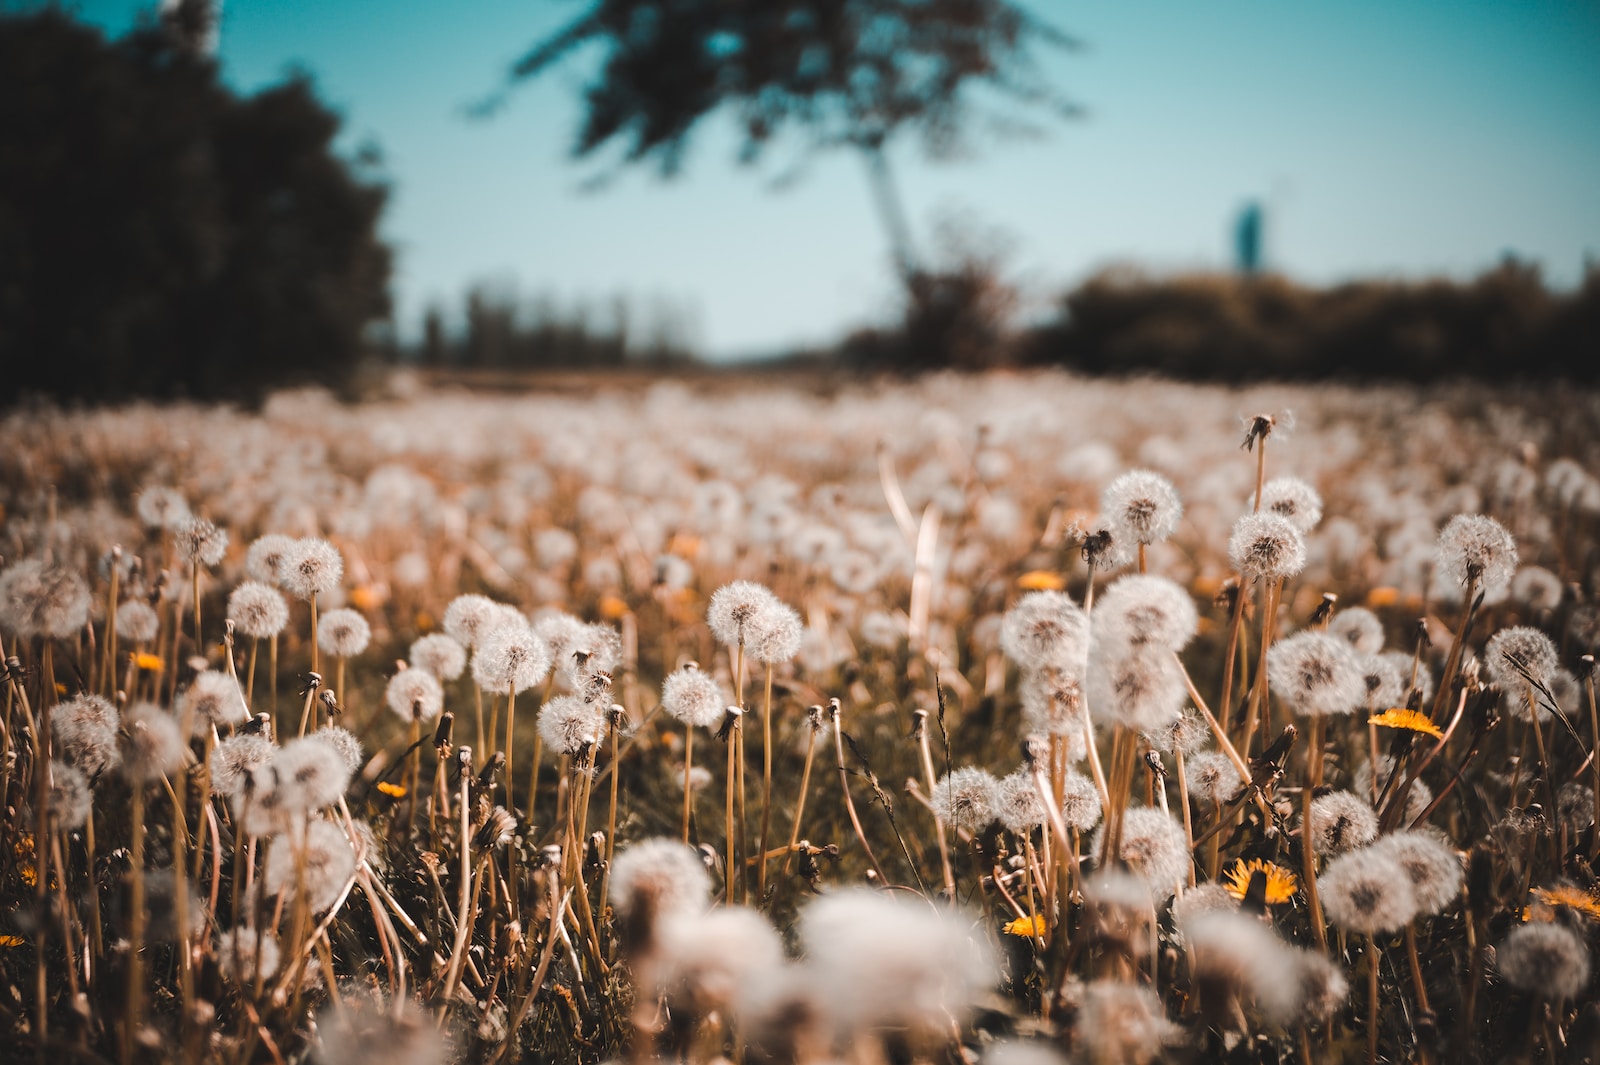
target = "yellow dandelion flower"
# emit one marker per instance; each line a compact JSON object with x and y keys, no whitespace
{"x":1041,"y":580}
{"x":1383,"y":595}
{"x":612,"y":607}
{"x":1406,"y":719}
{"x":1026,"y":926}
{"x":1281,"y":883}
{"x":10,"y":941}
{"x":394,"y":791}
{"x":1569,"y":897}
{"x":367,"y":597}
{"x":148,"y":662}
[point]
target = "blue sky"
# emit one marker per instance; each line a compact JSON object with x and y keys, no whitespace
{"x":1395,"y":139}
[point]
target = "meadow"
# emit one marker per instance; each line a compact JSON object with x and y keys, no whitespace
{"x":1014,"y":718}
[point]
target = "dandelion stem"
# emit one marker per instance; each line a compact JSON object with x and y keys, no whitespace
{"x":800,"y":799}
{"x":688,"y":769}
{"x":844,"y":786}
{"x":766,"y":787}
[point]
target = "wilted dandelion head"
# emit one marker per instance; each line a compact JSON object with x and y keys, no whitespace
{"x":70,"y":796}
{"x":1142,"y":507}
{"x":85,"y":729}
{"x":234,"y":758}
{"x":345,"y":742}
{"x":264,"y":559}
{"x":1154,"y":846}
{"x":735,"y":608}
{"x":1367,"y":891}
{"x":1143,"y":610}
{"x":213,"y":698}
{"x":469,"y":618}
{"x":1238,"y":961}
{"x":1519,"y":646}
{"x":1360,"y":628}
{"x":241,"y":951}
{"x":1017,"y":803}
{"x":569,"y":725}
{"x":967,"y":798}
{"x":256,"y":610}
{"x":882,"y":960}
{"x":1080,"y":802}
{"x":439,"y":654}
{"x":329,"y":863}
{"x":161,"y":507}
{"x":311,"y":567}
{"x":1046,"y":631}
{"x":343,"y":633}
{"x":151,"y":743}
{"x":1293,"y":500}
{"x":415,"y":695}
{"x":1429,"y":863}
{"x":311,"y":773}
{"x":138,"y":623}
{"x":36,"y":600}
{"x":1140,"y":690}
{"x":1341,"y":821}
{"x":1211,"y":776}
{"x":1477,"y":550}
{"x":693,"y":696}
{"x":200,"y":541}
{"x":654,"y":881}
{"x":1546,"y":959}
{"x":1316,"y":674}
{"x":510,"y":658}
{"x":1121,"y":1024}
{"x":709,"y":960}
{"x":1266,"y":546}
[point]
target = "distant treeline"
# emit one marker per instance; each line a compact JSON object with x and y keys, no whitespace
{"x":502,"y":329}
{"x":1506,"y":323}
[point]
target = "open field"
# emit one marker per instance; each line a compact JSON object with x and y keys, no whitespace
{"x":989,"y":791}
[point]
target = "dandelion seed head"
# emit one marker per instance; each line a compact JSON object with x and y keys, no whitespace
{"x":658,"y":880}
{"x":511,"y":657}
{"x":1519,"y":645}
{"x":378,"y":1033}
{"x":137,"y":622}
{"x":1141,"y":691}
{"x":1367,"y":891}
{"x":694,"y":697}
{"x":1360,"y":628}
{"x":1237,"y":958}
{"x":439,"y":654}
{"x":85,"y":729}
{"x":1154,"y":846}
{"x":1323,"y":989}
{"x":200,"y":541}
{"x":1387,"y":679}
{"x":234,"y":758}
{"x":1052,"y":704}
{"x":311,"y":772}
{"x":1142,"y":507}
{"x":568,"y":724}
{"x":310,"y":568}
{"x":213,"y":699}
{"x":241,"y":951}
{"x":256,"y":609}
{"x":1293,"y":500}
{"x":1187,"y":734}
{"x":1017,"y":803}
{"x":1266,"y":546}
{"x":468,"y":618}
{"x":735,"y":608}
{"x":263,"y":561}
{"x":36,"y":600}
{"x":416,"y":695}
{"x":1475,"y":549}
{"x":329,"y":862}
{"x":161,"y":507}
{"x":1046,"y":631}
{"x":1316,"y":674}
{"x":1200,"y":900}
{"x":1144,"y":610}
{"x":1537,"y":588}
{"x":1429,"y":863}
{"x":345,"y":743}
{"x":967,"y":798}
{"x":1022,"y":1052}
{"x":1211,"y":776}
{"x":343,"y":633}
{"x":1080,"y":802}
{"x":152,"y":745}
{"x":775,"y":636}
{"x":708,"y":960}
{"x":70,"y":796}
{"x":1121,"y":1024}
{"x":1545,"y":959}
{"x":1341,"y":821}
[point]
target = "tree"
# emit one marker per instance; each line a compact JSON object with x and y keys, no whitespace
{"x":845,"y":73}
{"x":160,"y":235}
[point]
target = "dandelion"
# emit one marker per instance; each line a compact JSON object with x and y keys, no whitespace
{"x":263,"y":561}
{"x":1080,"y":802}
{"x":1212,"y":777}
{"x":1407,"y":720}
{"x":414,"y":695}
{"x":213,"y":699}
{"x":1341,"y":821}
{"x":1537,"y":588}
{"x":1293,"y":500}
{"x":709,"y":960}
{"x":70,"y":796}
{"x":319,"y":875}
{"x":1316,"y":674}
{"x":1567,"y":897}
{"x":200,"y":542}
{"x":1141,"y":692}
{"x":1046,"y":630}
{"x":377,"y":1033}
{"x":469,"y":618}
{"x":36,"y":600}
{"x":1154,"y":846}
{"x":85,"y":729}
{"x":344,"y":633}
{"x":1547,"y":960}
{"x":256,"y":609}
{"x":1053,"y":705}
{"x":736,"y":609}
{"x":1210,"y":897}
{"x":1360,"y":628}
{"x":1280,"y":883}
{"x":570,"y":725}
{"x":311,"y":568}
{"x":776,"y":636}
{"x":1477,"y":552}
{"x":967,"y":799}
{"x":654,"y":881}
{"x":1387,"y":678}
{"x":160,"y":507}
{"x":1121,"y":1023}
{"x":1017,"y":803}
{"x":693,"y":696}
{"x":233,"y":760}
{"x":1514,"y":655}
{"x":1367,"y":891}
{"x":510,"y":658}
{"x":439,"y":654}
{"x":243,"y":953}
{"x":1322,"y":987}
{"x":344,"y":742}
{"x":1236,"y":960}
{"x":1142,"y":611}
{"x":1142,"y":507}
{"x":137,"y":622}
{"x":1267,"y":547}
{"x":151,"y":744}
{"x":1429,"y":863}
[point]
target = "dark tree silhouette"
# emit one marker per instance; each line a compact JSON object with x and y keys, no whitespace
{"x":839,"y":73}
{"x":160,"y":235}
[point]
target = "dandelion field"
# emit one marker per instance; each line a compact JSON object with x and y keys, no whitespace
{"x":423,"y":730}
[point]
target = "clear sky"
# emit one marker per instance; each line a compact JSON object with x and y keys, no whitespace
{"x":1400,"y":138}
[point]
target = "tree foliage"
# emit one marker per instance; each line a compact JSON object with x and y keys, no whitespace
{"x":161,"y":235}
